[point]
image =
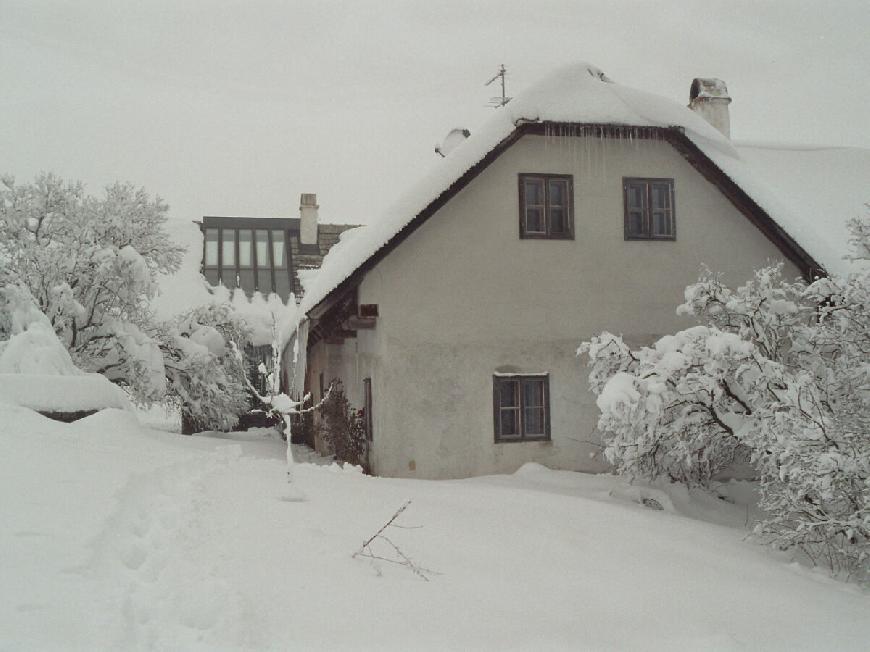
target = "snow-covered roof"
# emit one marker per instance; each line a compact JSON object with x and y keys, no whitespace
{"x":187,"y":288}
{"x":582,"y":94}
{"x":819,"y":189}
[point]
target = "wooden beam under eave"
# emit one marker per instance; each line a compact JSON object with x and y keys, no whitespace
{"x":361,"y":323}
{"x":338,"y":337}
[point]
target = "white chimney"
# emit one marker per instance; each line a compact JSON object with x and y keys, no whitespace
{"x":709,"y":99}
{"x":308,"y":218}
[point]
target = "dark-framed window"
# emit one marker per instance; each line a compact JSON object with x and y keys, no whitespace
{"x":248,"y":253}
{"x":546,"y":206}
{"x":521,"y":407}
{"x":649,"y":209}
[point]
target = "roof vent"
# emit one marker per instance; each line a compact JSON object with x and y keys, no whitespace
{"x":709,"y":99}
{"x":452,"y":140}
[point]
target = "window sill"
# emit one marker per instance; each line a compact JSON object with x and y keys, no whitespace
{"x":526,"y":440}
{"x":533,"y":236}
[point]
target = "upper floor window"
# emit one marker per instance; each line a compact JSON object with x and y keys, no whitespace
{"x":546,"y":206}
{"x":521,"y":406}
{"x":649,"y":209}
{"x":253,"y":259}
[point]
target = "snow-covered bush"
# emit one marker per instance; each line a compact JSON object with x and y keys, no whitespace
{"x":780,"y":369}
{"x":342,"y":428}
{"x":674,"y":409}
{"x":205,"y":378}
{"x":90,"y":264}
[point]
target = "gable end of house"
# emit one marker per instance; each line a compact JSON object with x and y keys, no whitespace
{"x":674,"y":136}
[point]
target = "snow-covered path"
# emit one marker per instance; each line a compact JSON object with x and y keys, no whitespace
{"x":118,"y":537}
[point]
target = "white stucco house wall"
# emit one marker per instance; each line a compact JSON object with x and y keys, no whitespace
{"x":583,"y":205}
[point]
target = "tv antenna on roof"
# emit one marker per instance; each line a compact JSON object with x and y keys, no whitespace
{"x":496,"y":102}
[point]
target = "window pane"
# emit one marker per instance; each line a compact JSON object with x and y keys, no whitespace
{"x":535,"y":220}
{"x":229,"y":247}
{"x":558,"y":224}
{"x":264,"y":280}
{"x":262,"y":249}
{"x":636,"y":195}
{"x":278,"y":249}
{"x":533,"y":393}
{"x":661,"y":223}
{"x":533,"y":190}
{"x":508,"y":393}
{"x":211,"y":247}
{"x":245,"y":248}
{"x":635,"y":224}
{"x":533,"y":205}
{"x":661,"y":196}
{"x":509,"y":421}
{"x":558,"y":189}
{"x":534,"y":421}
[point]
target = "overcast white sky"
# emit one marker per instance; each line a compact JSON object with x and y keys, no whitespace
{"x":236,"y":107}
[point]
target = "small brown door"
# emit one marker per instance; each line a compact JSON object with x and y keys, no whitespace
{"x":367,"y":394}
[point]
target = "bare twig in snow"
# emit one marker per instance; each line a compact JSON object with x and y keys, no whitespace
{"x":399,"y":557}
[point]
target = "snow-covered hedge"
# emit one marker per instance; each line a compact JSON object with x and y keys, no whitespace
{"x":778,"y":369}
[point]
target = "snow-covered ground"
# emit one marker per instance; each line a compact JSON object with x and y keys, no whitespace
{"x":116,"y":536}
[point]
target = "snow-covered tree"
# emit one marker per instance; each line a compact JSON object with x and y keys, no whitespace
{"x":778,"y":369}
{"x":286,"y":326}
{"x":91,"y":265}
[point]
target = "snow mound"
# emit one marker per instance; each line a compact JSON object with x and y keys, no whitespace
{"x":61,"y":393}
{"x":531,"y":468}
{"x":36,"y":350}
{"x":36,"y":370}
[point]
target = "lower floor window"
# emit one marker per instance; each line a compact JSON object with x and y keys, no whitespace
{"x":521,"y":407}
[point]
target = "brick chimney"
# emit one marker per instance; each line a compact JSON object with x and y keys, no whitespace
{"x":308,"y":219}
{"x":709,"y":99}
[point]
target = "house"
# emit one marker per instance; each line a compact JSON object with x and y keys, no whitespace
{"x":583,"y":205}
{"x":265,"y":255}
{"x":253,"y":263}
